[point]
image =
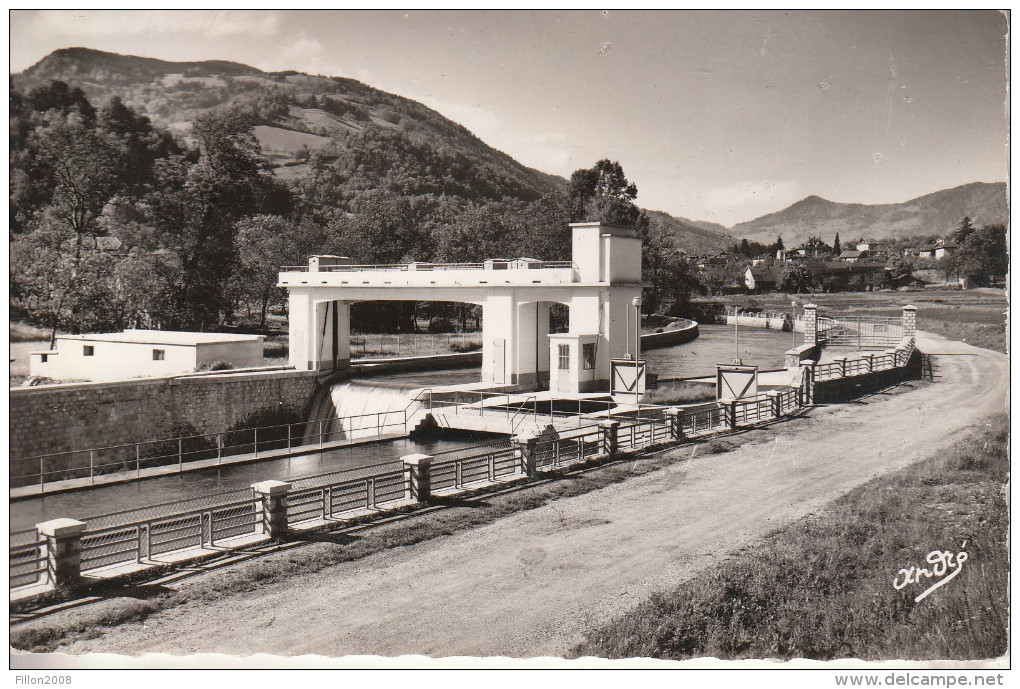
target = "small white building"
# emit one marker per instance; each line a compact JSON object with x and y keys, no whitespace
{"x":142,"y":354}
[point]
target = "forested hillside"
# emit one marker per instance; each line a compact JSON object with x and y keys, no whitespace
{"x":150,"y":194}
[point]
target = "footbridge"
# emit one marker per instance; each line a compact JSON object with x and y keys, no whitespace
{"x":601,"y":285}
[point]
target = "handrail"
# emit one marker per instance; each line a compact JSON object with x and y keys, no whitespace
{"x":524,"y":408}
{"x":511,"y":264}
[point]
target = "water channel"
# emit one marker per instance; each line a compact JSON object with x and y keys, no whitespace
{"x":716,"y":344}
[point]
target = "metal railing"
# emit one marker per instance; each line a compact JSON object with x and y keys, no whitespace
{"x":28,"y":558}
{"x":131,"y":458}
{"x":865,"y":363}
{"x":489,"y":462}
{"x":508,"y":264}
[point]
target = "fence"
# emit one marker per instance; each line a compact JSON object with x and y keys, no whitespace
{"x":860,"y":331}
{"x":140,"y":534}
{"x":134,"y":457}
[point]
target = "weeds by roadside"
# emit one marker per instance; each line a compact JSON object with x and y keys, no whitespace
{"x":823,"y":588}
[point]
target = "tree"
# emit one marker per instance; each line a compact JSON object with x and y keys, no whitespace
{"x":795,"y":277}
{"x":778,"y":246}
{"x":602,"y":193}
{"x":964,"y":230}
{"x":835,"y":245}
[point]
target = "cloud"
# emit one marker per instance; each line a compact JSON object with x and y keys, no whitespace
{"x":84,"y":26}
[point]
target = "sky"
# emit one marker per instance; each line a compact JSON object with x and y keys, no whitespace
{"x":715,"y":115}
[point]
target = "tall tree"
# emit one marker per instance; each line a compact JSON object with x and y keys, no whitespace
{"x":964,"y":230}
{"x":602,"y":193}
{"x":835,"y":245}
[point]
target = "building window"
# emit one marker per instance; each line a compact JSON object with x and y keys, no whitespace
{"x":564,"y":357}
{"x":45,"y":358}
{"x":158,"y":354}
{"x":89,"y":350}
{"x":588,"y":356}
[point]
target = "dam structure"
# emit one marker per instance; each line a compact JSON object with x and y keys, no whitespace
{"x":601,"y":285}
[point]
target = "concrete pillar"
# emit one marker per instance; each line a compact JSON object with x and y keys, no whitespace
{"x":528,"y":447}
{"x":420,"y":467}
{"x":909,"y":320}
{"x":810,"y":324}
{"x":777,"y":405}
{"x":274,"y":507}
{"x":63,"y":551}
{"x":807,"y":385}
{"x":841,"y":360}
{"x":731,"y":410}
{"x":792,"y":359}
{"x":869,"y":359}
{"x":610,"y":437}
{"x":676,"y":423}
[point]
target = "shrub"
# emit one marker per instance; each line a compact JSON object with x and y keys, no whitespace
{"x":215,"y":366}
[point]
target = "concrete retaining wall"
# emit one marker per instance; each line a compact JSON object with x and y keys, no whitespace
{"x":58,"y":418}
{"x":840,"y":390}
{"x":763,"y":321}
{"x":669,"y":338}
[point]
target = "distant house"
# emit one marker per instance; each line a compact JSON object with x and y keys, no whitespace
{"x":760,"y":279}
{"x":926,"y":251}
{"x":853,"y":256}
{"x":814,"y":248}
{"x":945,"y":248}
{"x":142,"y":353}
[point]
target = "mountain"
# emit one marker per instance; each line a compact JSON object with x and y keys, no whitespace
{"x":933,"y":214}
{"x":692,"y":236}
{"x":296,"y":113}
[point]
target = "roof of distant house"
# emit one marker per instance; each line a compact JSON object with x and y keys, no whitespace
{"x":164,"y":337}
{"x":851,"y":254}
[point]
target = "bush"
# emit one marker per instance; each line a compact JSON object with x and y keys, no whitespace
{"x":467,"y":346}
{"x":215,"y":366}
{"x":683,"y":393}
{"x":275,"y":350}
{"x":441,"y":325}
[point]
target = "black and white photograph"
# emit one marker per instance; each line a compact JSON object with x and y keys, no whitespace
{"x":431,"y":339}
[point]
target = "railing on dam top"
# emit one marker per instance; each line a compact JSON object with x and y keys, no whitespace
{"x":509,"y":264}
{"x":859,"y":331}
{"x":865,"y":363}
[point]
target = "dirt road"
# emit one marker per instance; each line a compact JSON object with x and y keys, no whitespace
{"x":529,"y":584}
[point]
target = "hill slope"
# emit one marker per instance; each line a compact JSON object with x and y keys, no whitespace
{"x":935,"y":213}
{"x":297,"y":113}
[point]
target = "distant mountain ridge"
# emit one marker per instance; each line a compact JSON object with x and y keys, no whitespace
{"x":931,"y":214}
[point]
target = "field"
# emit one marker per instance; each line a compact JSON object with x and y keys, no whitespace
{"x":975,"y":316}
{"x":810,"y":590}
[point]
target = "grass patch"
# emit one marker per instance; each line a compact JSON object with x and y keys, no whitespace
{"x":683,"y":393}
{"x":822,"y":587}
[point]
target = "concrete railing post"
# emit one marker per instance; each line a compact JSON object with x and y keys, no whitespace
{"x":732,"y":410}
{"x":63,"y":551}
{"x":676,"y":423}
{"x":807,"y":386}
{"x":610,"y":437}
{"x":909,"y":320}
{"x":420,"y":467}
{"x":274,"y":507}
{"x":841,"y":360}
{"x":777,"y":404}
{"x":810,"y":324}
{"x":528,"y":447}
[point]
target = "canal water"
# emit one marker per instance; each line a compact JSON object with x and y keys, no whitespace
{"x":715,"y":344}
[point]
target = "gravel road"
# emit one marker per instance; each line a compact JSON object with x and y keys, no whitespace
{"x":529,"y":584}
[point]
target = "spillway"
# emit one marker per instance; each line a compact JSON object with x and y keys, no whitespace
{"x":350,"y":410}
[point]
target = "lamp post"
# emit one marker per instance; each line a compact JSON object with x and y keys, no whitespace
{"x":636,"y":303}
{"x":793,"y":323}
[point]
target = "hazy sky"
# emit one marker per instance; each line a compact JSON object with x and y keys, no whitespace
{"x":720,"y":116}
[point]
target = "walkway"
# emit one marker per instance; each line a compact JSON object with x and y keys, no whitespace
{"x":529,"y":584}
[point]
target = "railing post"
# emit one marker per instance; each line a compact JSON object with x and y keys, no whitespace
{"x":63,"y":551}
{"x":420,"y":468}
{"x":288,"y":437}
{"x":320,"y":432}
{"x":219,"y":448}
{"x":274,"y":507}
{"x":42,"y":476}
{"x":610,"y":437}
{"x":138,"y":460}
{"x":895,"y":357}
{"x":676,"y":424}
{"x":528,"y":447}
{"x":92,"y":467}
{"x":909,"y":320}
{"x":807,"y":386}
{"x":732,"y":407}
{"x":256,"y":441}
{"x":841,"y":360}
{"x":869,"y":358}
{"x":777,"y":404}
{"x":180,"y":455}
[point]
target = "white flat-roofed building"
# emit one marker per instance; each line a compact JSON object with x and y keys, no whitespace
{"x":142,"y":354}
